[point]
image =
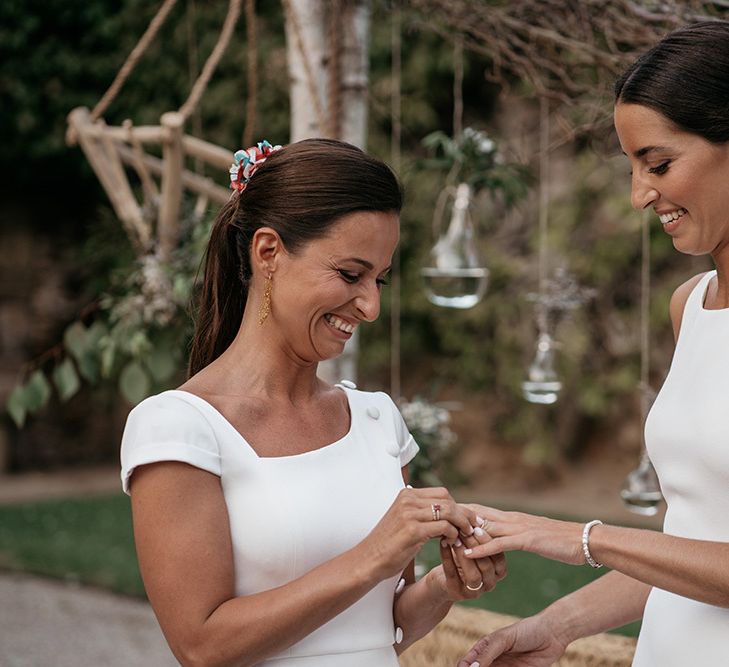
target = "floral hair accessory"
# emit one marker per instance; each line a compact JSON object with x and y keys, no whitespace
{"x":246,"y":161}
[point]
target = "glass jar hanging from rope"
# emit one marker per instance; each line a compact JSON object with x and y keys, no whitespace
{"x":559,"y":294}
{"x":455,"y":276}
{"x":641,"y":491}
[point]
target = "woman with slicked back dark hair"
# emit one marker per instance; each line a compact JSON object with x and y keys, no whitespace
{"x":672,"y":119}
{"x":272,"y":516}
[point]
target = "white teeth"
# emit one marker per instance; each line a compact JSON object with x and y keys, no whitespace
{"x":665,"y":218}
{"x":339,"y":324}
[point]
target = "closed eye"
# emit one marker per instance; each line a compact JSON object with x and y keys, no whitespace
{"x":660,"y":169}
{"x":347,"y":276}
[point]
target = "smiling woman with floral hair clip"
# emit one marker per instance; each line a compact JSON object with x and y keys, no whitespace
{"x":272,"y":516}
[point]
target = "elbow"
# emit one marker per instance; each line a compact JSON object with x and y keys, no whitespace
{"x":196,"y":652}
{"x":202,"y":652}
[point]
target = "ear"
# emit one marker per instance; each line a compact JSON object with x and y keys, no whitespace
{"x":266,"y":247}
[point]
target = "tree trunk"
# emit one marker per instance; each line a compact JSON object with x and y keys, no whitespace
{"x":328,"y":60}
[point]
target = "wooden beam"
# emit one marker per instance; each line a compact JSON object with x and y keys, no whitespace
{"x":171,"y":199}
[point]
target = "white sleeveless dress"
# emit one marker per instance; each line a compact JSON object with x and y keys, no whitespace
{"x":687,"y":436}
{"x":290,"y":514}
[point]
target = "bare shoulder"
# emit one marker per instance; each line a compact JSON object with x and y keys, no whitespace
{"x":678,"y":301}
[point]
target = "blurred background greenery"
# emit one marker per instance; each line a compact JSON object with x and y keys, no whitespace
{"x":66,"y":261}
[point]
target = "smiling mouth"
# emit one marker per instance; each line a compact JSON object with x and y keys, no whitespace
{"x":338,"y":324}
{"x":667,"y":218}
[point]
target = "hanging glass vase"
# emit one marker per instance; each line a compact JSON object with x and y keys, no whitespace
{"x":641,"y":492}
{"x":456,"y":277}
{"x":542,"y":384}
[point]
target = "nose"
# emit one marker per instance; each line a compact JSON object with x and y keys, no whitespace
{"x":642,"y":193}
{"x":368,"y":301}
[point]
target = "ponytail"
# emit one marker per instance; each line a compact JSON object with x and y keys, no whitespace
{"x":224,"y":290}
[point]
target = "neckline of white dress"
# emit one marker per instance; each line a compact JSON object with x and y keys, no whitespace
{"x":209,"y":407}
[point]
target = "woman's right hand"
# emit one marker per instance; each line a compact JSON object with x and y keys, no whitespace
{"x":531,"y":642}
{"x":410,"y":523}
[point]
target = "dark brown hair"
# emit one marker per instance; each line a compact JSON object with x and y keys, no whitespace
{"x":685,"y":77}
{"x":300,"y":191}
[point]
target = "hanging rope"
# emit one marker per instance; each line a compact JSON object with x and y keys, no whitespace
{"x":213,"y":59}
{"x":132,"y":59}
{"x":543,"y":191}
{"x":251,"y":73}
{"x":335,"y":68}
{"x":193,"y":69}
{"x":645,"y":287}
{"x":458,"y":87}
{"x":396,"y":159}
{"x":310,"y":82}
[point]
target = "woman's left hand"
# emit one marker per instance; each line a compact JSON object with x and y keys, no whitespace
{"x":516,"y":531}
{"x":462,"y":578}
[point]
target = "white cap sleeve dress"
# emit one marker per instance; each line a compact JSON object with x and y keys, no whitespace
{"x":290,"y":514}
{"x":687,"y":436}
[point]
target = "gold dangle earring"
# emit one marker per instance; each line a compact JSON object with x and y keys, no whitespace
{"x":266,"y":303}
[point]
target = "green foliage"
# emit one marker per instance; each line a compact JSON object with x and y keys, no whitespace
{"x":139,"y":334}
{"x":473,"y":158}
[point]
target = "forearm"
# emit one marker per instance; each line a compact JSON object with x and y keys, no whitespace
{"x":418,"y":609}
{"x":248,"y":629}
{"x":696,"y":569}
{"x":609,"y":602}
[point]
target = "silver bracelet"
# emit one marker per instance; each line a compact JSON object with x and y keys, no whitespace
{"x":586,"y":543}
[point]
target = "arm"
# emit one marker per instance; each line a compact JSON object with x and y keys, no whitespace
{"x":186,"y":559}
{"x":698,"y":569}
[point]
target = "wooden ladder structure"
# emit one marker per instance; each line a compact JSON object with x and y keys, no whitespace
{"x":109,"y":149}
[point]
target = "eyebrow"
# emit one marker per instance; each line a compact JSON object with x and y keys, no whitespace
{"x":641,"y":152}
{"x":366,"y":264}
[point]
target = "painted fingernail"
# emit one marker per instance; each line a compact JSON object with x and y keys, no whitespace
{"x":478,"y":532}
{"x":458,"y":543}
{"x":475,"y":664}
{"x":443,"y":543}
{"x":481,"y":521}
{"x":408,"y":486}
{"x":467,"y":551}
{"x":400,"y":586}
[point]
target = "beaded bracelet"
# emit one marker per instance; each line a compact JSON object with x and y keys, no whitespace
{"x":586,"y":543}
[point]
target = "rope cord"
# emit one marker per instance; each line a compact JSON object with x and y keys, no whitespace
{"x":458,"y":87}
{"x":311,"y":84}
{"x":193,"y":70}
{"x":335,"y":68}
{"x":645,"y":286}
{"x":543,"y":194}
{"x":132,"y":59}
{"x":213,"y":59}
{"x":251,"y":73}
{"x":396,"y":139}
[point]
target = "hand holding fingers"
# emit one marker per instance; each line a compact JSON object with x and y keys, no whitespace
{"x":492,"y":569}
{"x":416,"y":516}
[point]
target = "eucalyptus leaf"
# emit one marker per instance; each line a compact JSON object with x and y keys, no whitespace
{"x":89,"y":366}
{"x":108,"y":356}
{"x":161,"y":363}
{"x":134,"y":382}
{"x":15,"y":406}
{"x":75,"y":338}
{"x":37,"y":391}
{"x":66,"y":379}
